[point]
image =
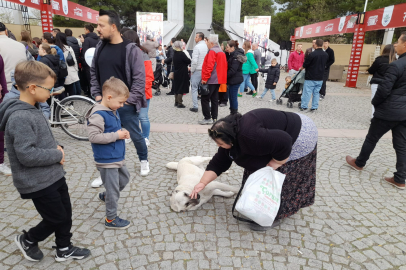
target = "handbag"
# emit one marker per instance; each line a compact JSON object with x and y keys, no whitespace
{"x":203,"y":89}
{"x":63,"y":70}
{"x":171,"y":75}
{"x":69,"y":60}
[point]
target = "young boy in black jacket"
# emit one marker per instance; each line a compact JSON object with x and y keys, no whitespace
{"x":272,"y":78}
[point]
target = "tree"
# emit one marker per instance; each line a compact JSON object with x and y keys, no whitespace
{"x":6,"y":15}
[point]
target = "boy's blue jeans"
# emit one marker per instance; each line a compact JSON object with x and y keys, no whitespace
{"x":145,"y":124}
{"x":130,"y":121}
{"x":272,"y":93}
{"x":311,"y":88}
{"x":246,"y":82}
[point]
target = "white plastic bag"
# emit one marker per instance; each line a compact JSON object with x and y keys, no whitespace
{"x":261,"y":196}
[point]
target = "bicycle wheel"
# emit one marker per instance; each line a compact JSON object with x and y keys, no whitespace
{"x":71,"y":115}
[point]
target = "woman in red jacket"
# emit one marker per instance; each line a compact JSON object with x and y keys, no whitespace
{"x":149,"y":78}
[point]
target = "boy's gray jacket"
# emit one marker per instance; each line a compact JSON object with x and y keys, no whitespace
{"x":31,"y":146}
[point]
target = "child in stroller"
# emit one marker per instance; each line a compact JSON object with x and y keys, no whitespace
{"x":293,"y":90}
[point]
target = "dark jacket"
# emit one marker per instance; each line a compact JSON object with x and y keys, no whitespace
{"x":31,"y":147}
{"x":51,"y":61}
{"x":33,"y":51}
{"x":263,"y":134}
{"x":331,"y":59}
{"x":134,"y":73}
{"x":91,"y":41}
{"x":308,"y":51}
{"x":234,"y":64}
{"x":169,"y":55}
{"x":180,"y":68}
{"x":272,"y":77}
{"x":315,"y":64}
{"x":73,"y":42}
{"x":390,"y":98}
{"x":378,"y":69}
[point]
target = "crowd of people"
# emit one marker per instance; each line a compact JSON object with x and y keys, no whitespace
{"x":120,"y":79}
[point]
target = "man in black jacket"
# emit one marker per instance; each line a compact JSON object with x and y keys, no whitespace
{"x":330,"y":61}
{"x":73,"y":42}
{"x":390,"y":114}
{"x":314,"y":64}
{"x":89,"y":40}
{"x":168,"y":62}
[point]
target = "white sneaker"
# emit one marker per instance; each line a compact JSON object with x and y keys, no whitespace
{"x":5,"y":170}
{"x":144,"y":167}
{"x":272,"y":100}
{"x":97,"y":182}
{"x":147,"y":142}
{"x":128,"y":140}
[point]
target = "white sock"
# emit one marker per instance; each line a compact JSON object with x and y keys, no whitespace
{"x":64,"y":249}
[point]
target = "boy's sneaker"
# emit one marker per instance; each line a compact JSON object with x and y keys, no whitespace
{"x":4,"y":169}
{"x":97,"y":182}
{"x":30,"y":251}
{"x":117,"y":224}
{"x":71,"y":252}
{"x":147,"y":142}
{"x":259,"y":97}
{"x":144,"y":167}
{"x":272,"y":100}
{"x":102,"y":196}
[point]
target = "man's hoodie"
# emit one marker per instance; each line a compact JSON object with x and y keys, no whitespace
{"x":31,"y":147}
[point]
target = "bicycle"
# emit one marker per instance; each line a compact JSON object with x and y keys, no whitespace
{"x":70,"y":114}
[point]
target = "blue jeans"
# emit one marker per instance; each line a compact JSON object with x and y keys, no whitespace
{"x":194,"y":81}
{"x":129,"y":120}
{"x":311,"y":88}
{"x":145,"y":124}
{"x":232,"y":95}
{"x":78,"y":89}
{"x":272,"y":93}
{"x":246,"y":82}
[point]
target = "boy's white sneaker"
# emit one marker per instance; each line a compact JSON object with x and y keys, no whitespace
{"x":97,"y":182}
{"x":4,"y":169}
{"x":147,"y":142}
{"x":144,"y":167}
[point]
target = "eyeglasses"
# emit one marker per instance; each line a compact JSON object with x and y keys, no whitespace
{"x":214,"y":133}
{"x":50,"y":90}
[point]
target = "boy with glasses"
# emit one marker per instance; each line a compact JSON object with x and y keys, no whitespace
{"x":36,"y":162}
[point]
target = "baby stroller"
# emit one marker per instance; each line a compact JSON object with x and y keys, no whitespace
{"x":294,"y":91}
{"x":159,"y":79}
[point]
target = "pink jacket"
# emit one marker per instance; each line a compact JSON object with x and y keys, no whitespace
{"x":296,"y":60}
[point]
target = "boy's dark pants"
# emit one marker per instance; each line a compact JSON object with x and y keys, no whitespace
{"x":56,"y":212}
{"x":377,"y":129}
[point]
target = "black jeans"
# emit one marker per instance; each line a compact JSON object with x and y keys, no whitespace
{"x":223,"y":97}
{"x":324,"y":85}
{"x":56,"y":212}
{"x":254,"y":80}
{"x":213,"y":96}
{"x":377,"y":129}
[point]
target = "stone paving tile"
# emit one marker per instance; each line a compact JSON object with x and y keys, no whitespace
{"x":335,"y":112}
{"x":357,"y":222}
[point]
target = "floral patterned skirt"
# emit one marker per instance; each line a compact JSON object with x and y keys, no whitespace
{"x":299,"y":187}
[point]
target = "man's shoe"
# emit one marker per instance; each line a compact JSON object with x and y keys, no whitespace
{"x":206,"y":122}
{"x":194,"y":109}
{"x":391,"y":181}
{"x":157,"y":93}
{"x":239,"y":95}
{"x":246,"y":90}
{"x":4,"y":169}
{"x":97,"y":182}
{"x":214,"y":121}
{"x":313,"y":110}
{"x":303,"y":109}
{"x":71,"y":252}
{"x":144,"y":168}
{"x":321,"y":97}
{"x":117,"y":224}
{"x":249,"y":93}
{"x":30,"y":251}
{"x":181,"y":106}
{"x":102,"y":196}
{"x":351,"y":161}
{"x":170,"y":94}
{"x":222,"y":105}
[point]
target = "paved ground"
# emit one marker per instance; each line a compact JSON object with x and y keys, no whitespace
{"x":357,"y":222}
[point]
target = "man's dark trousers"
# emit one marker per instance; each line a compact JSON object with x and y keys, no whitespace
{"x":56,"y":211}
{"x":377,"y":129}
{"x":212,"y":97}
{"x":324,"y":85}
{"x":254,"y":80}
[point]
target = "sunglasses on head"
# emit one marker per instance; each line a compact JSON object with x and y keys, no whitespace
{"x":214,"y":132}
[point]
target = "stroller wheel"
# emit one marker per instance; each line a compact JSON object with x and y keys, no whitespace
{"x":289,"y":105}
{"x":280,"y":101}
{"x":299,"y":105}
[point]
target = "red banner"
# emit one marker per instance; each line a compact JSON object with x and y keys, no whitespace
{"x":388,"y":17}
{"x":355,"y":59}
{"x":46,"y":18}
{"x":64,"y":8}
{"x":293,"y":40}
